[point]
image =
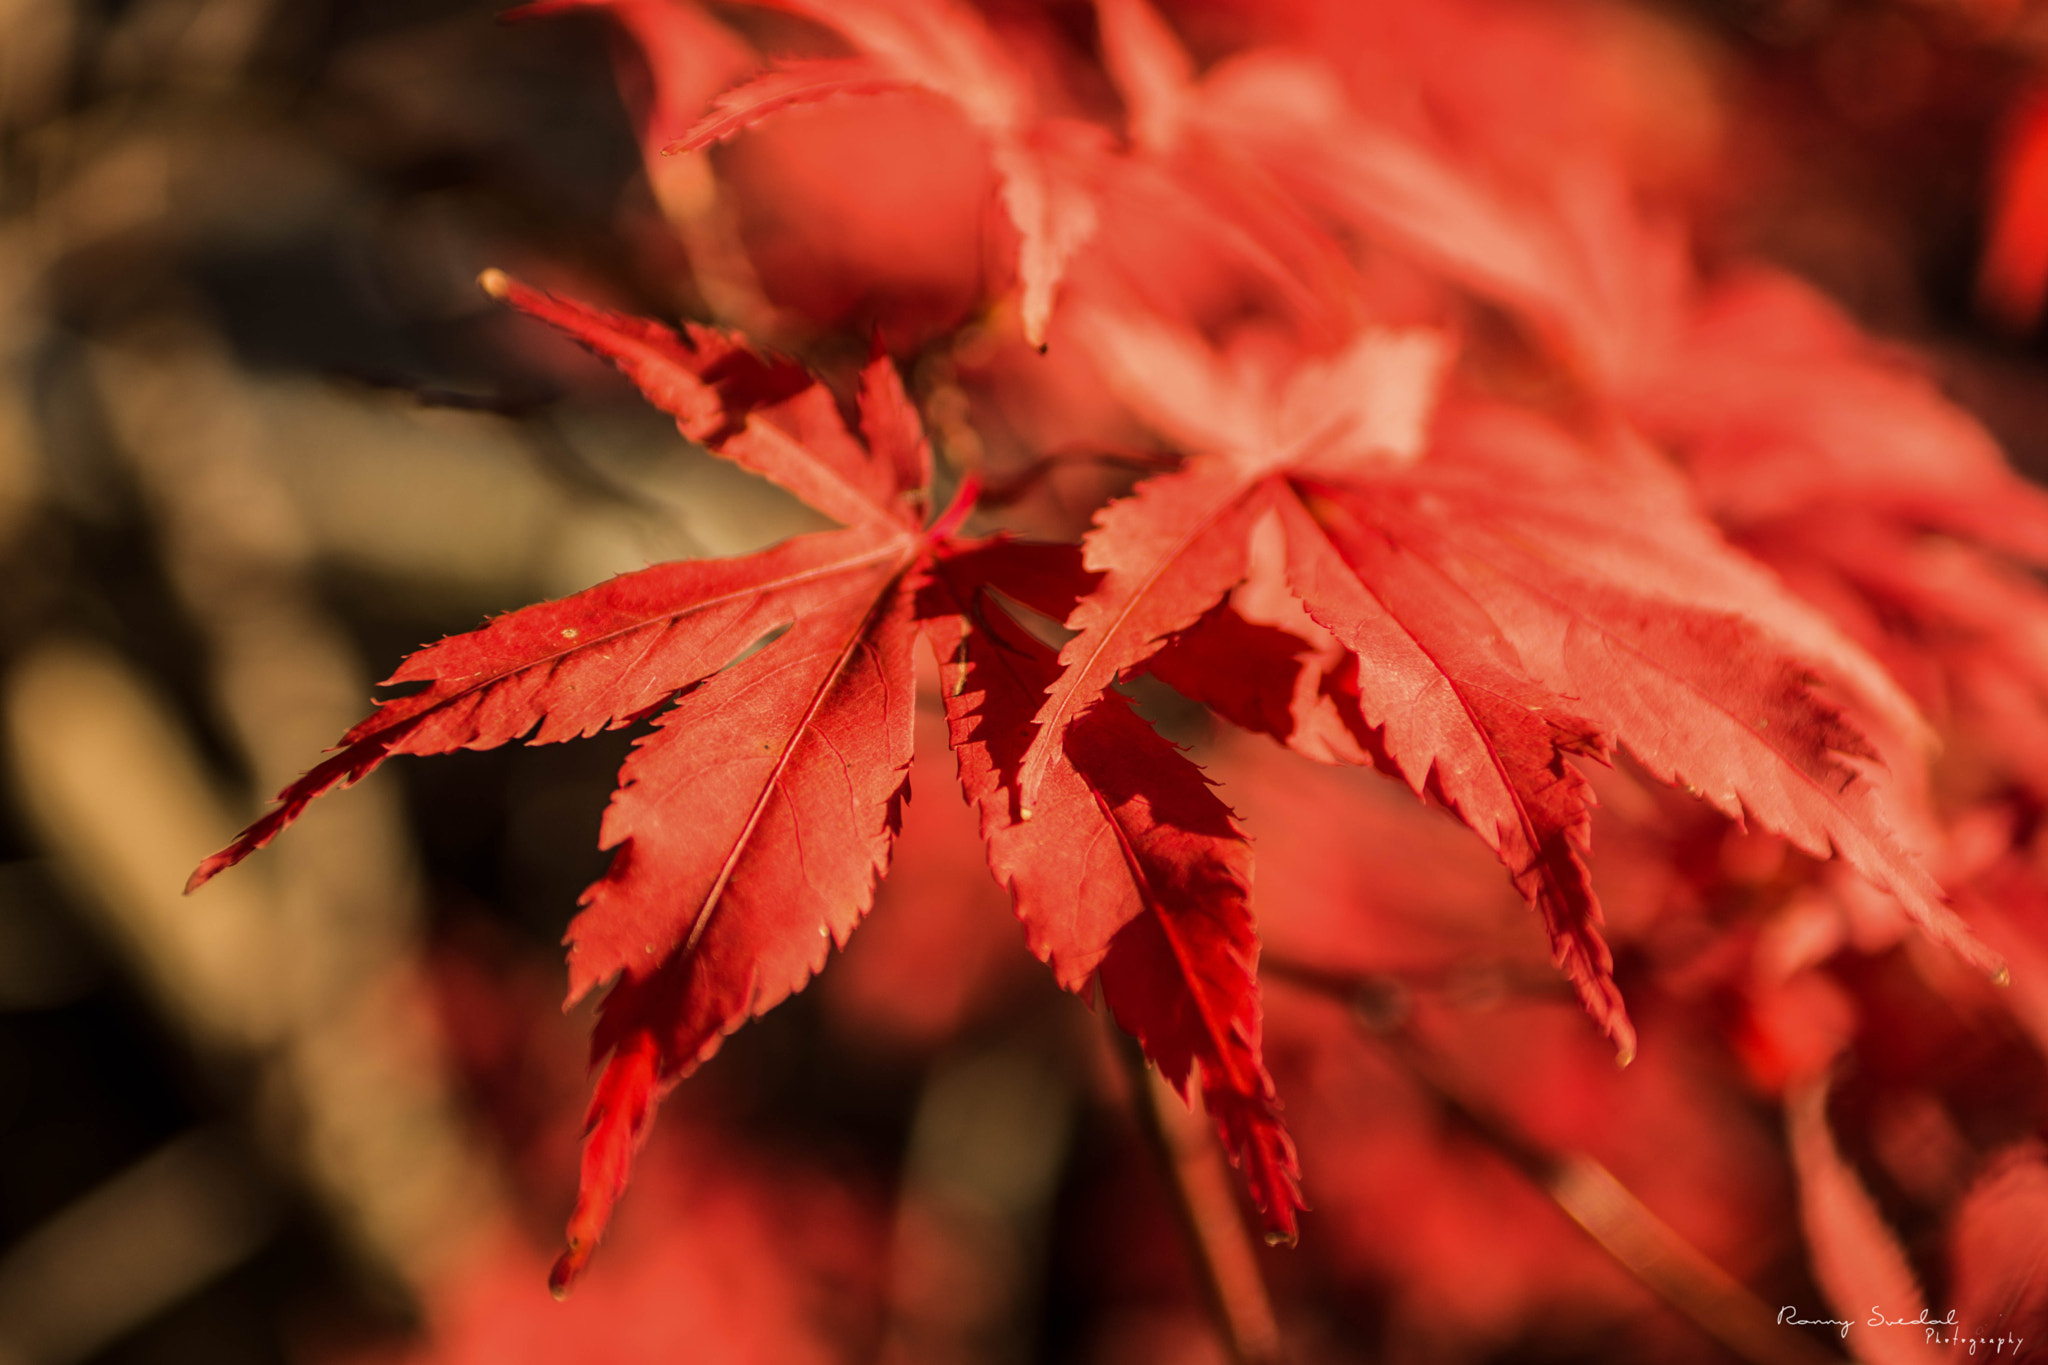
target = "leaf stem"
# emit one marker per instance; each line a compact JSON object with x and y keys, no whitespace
{"x":1204,"y":1196}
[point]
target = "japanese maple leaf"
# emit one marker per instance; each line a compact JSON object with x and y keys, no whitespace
{"x":750,"y":825}
{"x":945,"y":48}
{"x":1511,"y":599}
{"x":1228,"y":151}
{"x":1269,"y":134}
{"x":1838,"y":462}
{"x":1245,"y":148}
{"x":1778,"y":405}
{"x":1219,"y":154}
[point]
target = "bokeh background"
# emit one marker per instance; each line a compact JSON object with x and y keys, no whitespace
{"x":260,"y":434}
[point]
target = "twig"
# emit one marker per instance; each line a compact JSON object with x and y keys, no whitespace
{"x":1206,"y":1201}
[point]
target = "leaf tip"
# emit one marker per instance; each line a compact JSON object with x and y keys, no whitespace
{"x":1622,"y":1030}
{"x":1036,"y":319}
{"x":567,"y":1267}
{"x":495,"y":282}
{"x":213,"y":865}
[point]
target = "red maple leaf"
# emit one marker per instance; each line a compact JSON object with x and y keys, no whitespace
{"x":752,"y":822}
{"x":1513,"y":596}
{"x":946,"y":49}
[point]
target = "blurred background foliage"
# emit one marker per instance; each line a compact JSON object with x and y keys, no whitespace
{"x":260,"y":434}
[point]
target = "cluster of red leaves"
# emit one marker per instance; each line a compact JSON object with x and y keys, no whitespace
{"x":1469,"y":476}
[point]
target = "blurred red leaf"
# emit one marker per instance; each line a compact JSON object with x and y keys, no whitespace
{"x":1998,"y":1251}
{"x":1856,"y":1256}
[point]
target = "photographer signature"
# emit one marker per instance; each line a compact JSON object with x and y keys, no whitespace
{"x":1940,"y":1331}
